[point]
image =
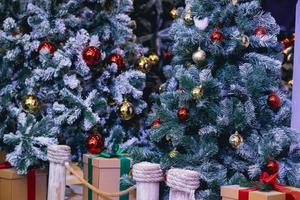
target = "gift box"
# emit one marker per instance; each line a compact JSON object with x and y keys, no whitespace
{"x":33,"y":186}
{"x":105,"y":173}
{"x":233,"y":192}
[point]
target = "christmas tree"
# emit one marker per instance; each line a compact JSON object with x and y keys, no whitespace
{"x":67,"y":72}
{"x":222,"y":112}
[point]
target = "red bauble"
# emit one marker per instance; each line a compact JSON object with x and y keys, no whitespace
{"x":156,"y":123}
{"x":183,"y":113}
{"x":217,"y":36}
{"x":260,"y":31}
{"x":47,"y":46}
{"x":273,"y":166}
{"x":168,"y":54}
{"x":91,"y":55}
{"x":95,"y":143}
{"x":117,"y":59}
{"x":274,"y":101}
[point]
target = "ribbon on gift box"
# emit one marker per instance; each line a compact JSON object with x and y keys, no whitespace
{"x":271,"y":180}
{"x":31,"y":175}
{"x":124,"y":168}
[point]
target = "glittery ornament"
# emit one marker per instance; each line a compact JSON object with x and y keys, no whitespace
{"x":174,"y":13}
{"x":197,"y":92}
{"x":47,"y":46}
{"x":117,"y":59}
{"x":274,"y":101}
{"x":153,"y":59}
{"x":31,"y":103}
{"x":126,"y":111}
{"x":144,"y":64}
{"x":95,"y":143}
{"x":91,"y":55}
{"x":236,"y":140}
{"x":245,"y":41}
{"x":183,"y":113}
{"x":217,"y":36}
{"x":260,"y":31}
{"x":155,"y":123}
{"x":199,"y":56}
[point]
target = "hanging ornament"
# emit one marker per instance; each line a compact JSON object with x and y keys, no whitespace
{"x":117,"y":59}
{"x":183,"y":113}
{"x":201,"y":24}
{"x":153,"y":59}
{"x":236,"y":140}
{"x":162,"y":88}
{"x":274,"y":101}
{"x":288,"y":53}
{"x":95,"y":143}
{"x":234,"y":2}
{"x":197,"y":92}
{"x":217,"y":36}
{"x":188,"y":18}
{"x":273,"y":167}
{"x":143,"y":64}
{"x":47,"y":46}
{"x":290,"y":84}
{"x":174,"y":13}
{"x":168,"y":138}
{"x":156,"y":123}
{"x":173,"y":153}
{"x":245,"y":41}
{"x":199,"y":56}
{"x":126,"y":111}
{"x":168,"y":54}
{"x":91,"y":55}
{"x":260,"y":31}
{"x":31,"y":103}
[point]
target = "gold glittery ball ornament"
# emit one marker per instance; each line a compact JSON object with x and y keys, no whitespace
{"x":173,"y":153}
{"x":144,"y":64}
{"x":197,"y":92}
{"x":245,"y":41}
{"x":236,"y":140}
{"x":153,"y":59}
{"x":174,"y":13}
{"x":126,"y":111}
{"x":188,"y":18}
{"x":31,"y":103}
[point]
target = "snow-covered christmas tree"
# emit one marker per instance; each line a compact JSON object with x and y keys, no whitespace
{"x":222,"y":112}
{"x":68,"y":72}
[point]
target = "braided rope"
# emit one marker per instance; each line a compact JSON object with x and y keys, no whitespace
{"x":103,"y":195}
{"x":184,"y":181}
{"x":147,"y":172}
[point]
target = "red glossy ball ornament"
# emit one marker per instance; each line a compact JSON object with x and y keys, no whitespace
{"x":273,"y":166}
{"x":91,"y":55}
{"x":156,"y":123}
{"x":5,"y":165}
{"x":274,"y":101}
{"x":47,"y":46}
{"x":260,"y":31}
{"x":117,"y":59}
{"x":183,"y":113}
{"x":217,"y":36}
{"x":95,"y":143}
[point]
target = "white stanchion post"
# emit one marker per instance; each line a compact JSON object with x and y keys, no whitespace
{"x":183,"y":184}
{"x":57,"y":156}
{"x":147,"y":176}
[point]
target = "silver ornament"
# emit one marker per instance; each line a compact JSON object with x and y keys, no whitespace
{"x":199,"y":56}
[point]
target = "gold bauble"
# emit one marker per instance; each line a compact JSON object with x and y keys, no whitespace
{"x":245,"y":41}
{"x":173,"y":153}
{"x":153,"y":59}
{"x":126,"y":111}
{"x":199,"y":56}
{"x":188,"y":18}
{"x":144,"y":64}
{"x":174,"y":13}
{"x":236,"y":140}
{"x":31,"y":103}
{"x":290,"y":83}
{"x":197,"y":92}
{"x":162,"y":88}
{"x":234,"y":2}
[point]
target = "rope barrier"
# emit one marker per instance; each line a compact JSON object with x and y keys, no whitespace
{"x":103,"y":195}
